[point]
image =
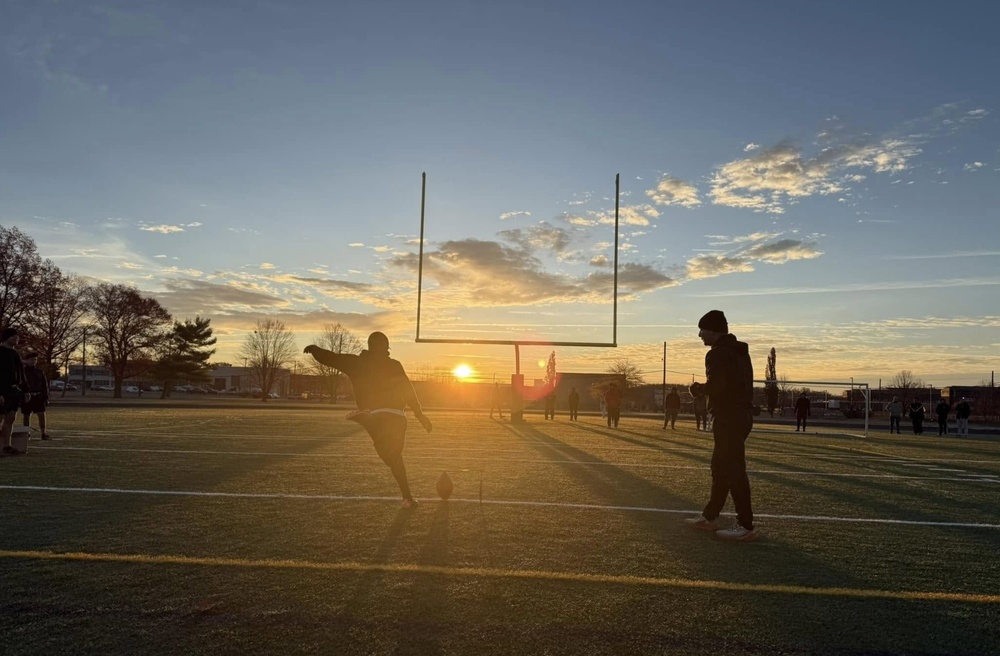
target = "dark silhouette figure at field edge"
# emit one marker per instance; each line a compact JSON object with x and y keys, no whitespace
{"x":495,"y":402}
{"x":550,"y":403}
{"x":613,"y":401}
{"x":917,"y":416}
{"x":671,"y":406}
{"x":12,"y":386}
{"x":803,"y":409}
{"x":382,"y":390}
{"x":701,"y":412}
{"x":574,"y":404}
{"x":38,"y":388}
{"x":942,"y":409}
{"x":729,"y":373}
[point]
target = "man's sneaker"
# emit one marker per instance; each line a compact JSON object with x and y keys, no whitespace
{"x":46,"y":436}
{"x":737,"y":534}
{"x":699,"y":523}
{"x":410,"y":504}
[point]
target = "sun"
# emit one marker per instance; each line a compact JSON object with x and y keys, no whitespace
{"x":462,"y":371}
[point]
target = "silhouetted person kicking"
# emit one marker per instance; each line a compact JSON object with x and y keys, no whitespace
{"x":381,"y":390}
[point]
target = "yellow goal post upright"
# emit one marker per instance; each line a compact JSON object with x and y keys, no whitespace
{"x":517,"y":378}
{"x":851,"y":385}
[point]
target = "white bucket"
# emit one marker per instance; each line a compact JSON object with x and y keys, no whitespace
{"x":19,"y":438}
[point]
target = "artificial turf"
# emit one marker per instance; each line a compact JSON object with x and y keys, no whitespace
{"x":277,"y":530}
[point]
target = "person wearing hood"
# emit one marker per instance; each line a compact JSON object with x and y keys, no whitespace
{"x":729,"y":385}
{"x":382,"y":391}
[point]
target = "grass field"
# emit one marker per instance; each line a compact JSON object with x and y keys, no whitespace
{"x":270,"y":530}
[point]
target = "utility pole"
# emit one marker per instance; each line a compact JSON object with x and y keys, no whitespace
{"x":664,"y":376}
{"x":83,"y":380}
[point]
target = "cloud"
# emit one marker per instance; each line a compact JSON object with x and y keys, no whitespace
{"x":712,"y":265}
{"x":751,"y":146}
{"x":356,"y":244}
{"x":673,"y":191}
{"x":475,"y":273}
{"x":723,"y":240}
{"x":191,"y":297}
{"x":163,"y":229}
{"x":514,"y":215}
{"x":784,"y":250}
{"x":541,"y":237}
{"x":776,"y":176}
{"x":634,"y":215}
{"x":267,"y":266}
{"x":973,"y":166}
{"x":600,"y":261}
{"x":577,"y":220}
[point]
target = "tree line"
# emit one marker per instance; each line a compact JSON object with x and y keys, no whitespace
{"x":60,"y":315}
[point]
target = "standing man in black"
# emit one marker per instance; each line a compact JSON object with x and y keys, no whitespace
{"x":38,"y":387}
{"x":803,"y":408}
{"x":671,"y":407}
{"x":574,"y":403}
{"x":382,"y":391}
{"x":730,"y":397}
{"x":942,"y":409}
{"x":12,"y":386}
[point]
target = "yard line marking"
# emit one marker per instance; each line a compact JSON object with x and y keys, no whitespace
{"x":532,"y":461}
{"x":494,"y":502}
{"x":522,"y":574}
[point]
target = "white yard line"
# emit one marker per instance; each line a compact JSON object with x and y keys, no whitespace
{"x":493,"y":502}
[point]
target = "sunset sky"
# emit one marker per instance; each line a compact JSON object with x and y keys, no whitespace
{"x":828,"y":174}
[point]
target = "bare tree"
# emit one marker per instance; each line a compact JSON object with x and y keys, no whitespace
{"x":20,"y":265}
{"x":268,"y":350}
{"x":550,"y":370}
{"x":906,"y":380}
{"x":55,"y":323}
{"x":337,"y":339}
{"x":630,"y":371}
{"x":127,"y":326}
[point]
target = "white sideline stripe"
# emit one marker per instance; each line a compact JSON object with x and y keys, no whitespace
{"x":497,"y":502}
{"x":590,"y":463}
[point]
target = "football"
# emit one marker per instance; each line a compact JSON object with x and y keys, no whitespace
{"x":445,"y":486}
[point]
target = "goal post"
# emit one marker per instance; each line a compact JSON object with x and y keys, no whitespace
{"x":847,"y":405}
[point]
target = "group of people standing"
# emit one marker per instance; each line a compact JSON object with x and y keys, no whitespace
{"x":22,"y":387}
{"x":916,"y":412}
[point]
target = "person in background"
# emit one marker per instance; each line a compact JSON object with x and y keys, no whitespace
{"x":701,"y":412}
{"x":574,"y":404}
{"x":671,"y":408}
{"x":38,"y":388}
{"x":12,"y":386}
{"x":803,"y":409}
{"x":941,"y":410}
{"x":917,"y":416}
{"x":962,"y":413}
{"x":550,"y":403}
{"x":613,"y":402}
{"x":895,"y":410}
{"x":495,"y":402}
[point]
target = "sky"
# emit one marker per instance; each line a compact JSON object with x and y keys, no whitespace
{"x":828,"y":176}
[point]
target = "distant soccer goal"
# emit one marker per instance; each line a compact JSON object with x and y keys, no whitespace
{"x":850,"y":399}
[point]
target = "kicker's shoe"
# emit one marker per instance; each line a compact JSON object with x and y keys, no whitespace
{"x":699,"y":523}
{"x":737,"y":534}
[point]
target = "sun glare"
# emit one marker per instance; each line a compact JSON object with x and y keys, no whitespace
{"x":462,"y":371}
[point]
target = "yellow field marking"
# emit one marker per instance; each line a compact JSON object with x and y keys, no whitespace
{"x":538,"y":575}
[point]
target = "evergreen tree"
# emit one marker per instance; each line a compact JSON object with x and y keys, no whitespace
{"x":184,"y":356}
{"x":771,"y":387}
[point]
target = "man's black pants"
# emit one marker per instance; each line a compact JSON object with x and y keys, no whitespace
{"x":388,"y":433}
{"x":729,"y":467}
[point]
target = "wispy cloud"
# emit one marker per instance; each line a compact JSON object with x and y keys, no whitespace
{"x":874,"y":286}
{"x":674,"y":191}
{"x":514,"y":215}
{"x":162,"y":229}
{"x":945,"y":256}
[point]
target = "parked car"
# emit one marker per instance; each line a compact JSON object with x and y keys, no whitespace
{"x":131,"y":389}
{"x":71,"y":387}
